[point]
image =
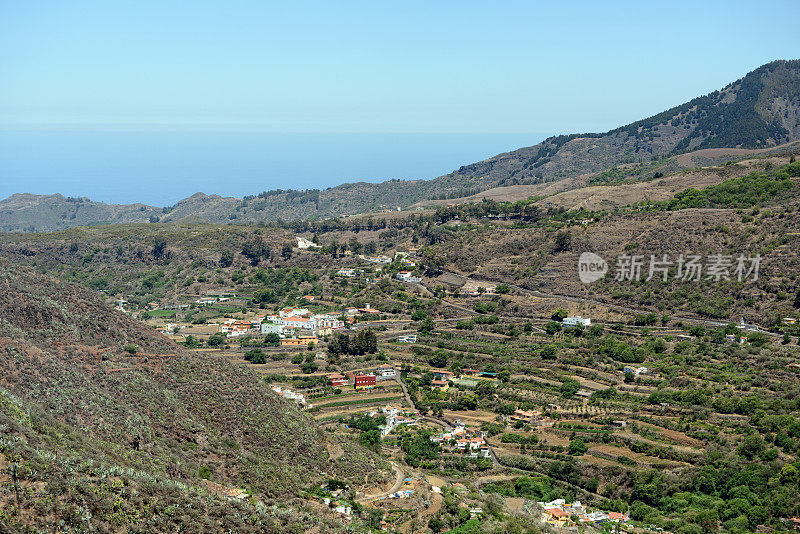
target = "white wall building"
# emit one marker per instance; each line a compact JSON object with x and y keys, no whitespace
{"x":575,"y":321}
{"x":272,"y":328}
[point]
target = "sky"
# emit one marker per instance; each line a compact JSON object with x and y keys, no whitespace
{"x":517,"y":70}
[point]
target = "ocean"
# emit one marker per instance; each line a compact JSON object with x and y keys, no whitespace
{"x":160,"y":168}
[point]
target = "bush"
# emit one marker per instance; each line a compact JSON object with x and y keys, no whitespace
{"x":216,"y":340}
{"x":552,"y":327}
{"x":255,"y":356}
{"x":569,"y":388}
{"x":577,"y":447}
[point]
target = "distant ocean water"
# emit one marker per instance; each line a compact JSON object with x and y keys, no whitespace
{"x":160,"y":168}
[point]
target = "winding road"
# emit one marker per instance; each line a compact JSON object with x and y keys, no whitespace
{"x":397,"y":484}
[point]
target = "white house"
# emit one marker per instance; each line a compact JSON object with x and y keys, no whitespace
{"x":575,"y":321}
{"x":406,"y":276}
{"x":377,"y":259}
{"x":328,"y":321}
{"x":386,"y":371}
{"x":286,"y":312}
{"x":304,"y":243}
{"x":635,"y":370}
{"x":294,"y":321}
{"x":272,"y":328}
{"x":410,"y":338}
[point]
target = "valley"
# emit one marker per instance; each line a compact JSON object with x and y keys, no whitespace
{"x":442,"y":369}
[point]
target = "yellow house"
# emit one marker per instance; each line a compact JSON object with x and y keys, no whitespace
{"x":555,"y":516}
{"x":442,"y":385}
{"x":298,"y":341}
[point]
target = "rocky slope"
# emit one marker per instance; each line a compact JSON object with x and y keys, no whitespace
{"x":99,"y":416}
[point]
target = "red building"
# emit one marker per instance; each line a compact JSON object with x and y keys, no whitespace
{"x":365,"y":381}
{"x":337,"y":380}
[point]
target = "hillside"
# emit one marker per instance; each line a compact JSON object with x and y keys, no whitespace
{"x":110,"y":425}
{"x":492,"y":240}
{"x":759,"y":112}
{"x":709,"y":418}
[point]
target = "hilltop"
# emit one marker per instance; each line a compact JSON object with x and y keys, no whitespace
{"x":757,"y":113}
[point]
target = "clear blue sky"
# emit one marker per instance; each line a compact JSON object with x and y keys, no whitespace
{"x":154,"y":100}
{"x":331,"y":67}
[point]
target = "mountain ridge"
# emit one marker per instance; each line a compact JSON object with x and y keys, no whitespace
{"x":759,"y":111}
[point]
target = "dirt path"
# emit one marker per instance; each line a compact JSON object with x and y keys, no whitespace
{"x":397,"y":483}
{"x":436,"y":505}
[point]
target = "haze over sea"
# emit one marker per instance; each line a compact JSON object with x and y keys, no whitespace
{"x":160,"y":168}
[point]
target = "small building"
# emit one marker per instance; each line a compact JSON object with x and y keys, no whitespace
{"x":268,"y":327}
{"x":304,"y":243}
{"x":525,"y":416}
{"x":407,"y":276}
{"x":443,"y":375}
{"x":571,"y":322}
{"x":442,"y":385}
{"x":368,"y":310}
{"x":322,"y":332}
{"x":295,"y":321}
{"x":636,"y":371}
{"x":475,"y":290}
{"x":337,"y":380}
{"x":365,"y":381}
{"x":386,"y":371}
{"x":409,"y":338}
{"x":377,"y":259}
{"x":555,"y":517}
{"x":617,"y":517}
{"x":238,"y":328}
{"x":298,"y":341}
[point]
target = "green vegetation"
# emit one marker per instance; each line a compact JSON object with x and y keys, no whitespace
{"x":755,"y":189}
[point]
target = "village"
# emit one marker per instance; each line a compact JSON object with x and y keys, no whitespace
{"x":433,"y":393}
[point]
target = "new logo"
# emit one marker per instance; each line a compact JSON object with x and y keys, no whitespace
{"x":591,"y":267}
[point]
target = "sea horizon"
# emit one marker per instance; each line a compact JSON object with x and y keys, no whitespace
{"x":160,"y":168}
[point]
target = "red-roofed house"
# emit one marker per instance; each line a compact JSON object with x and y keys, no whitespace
{"x":555,"y":516}
{"x":337,"y":380}
{"x":294,"y":321}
